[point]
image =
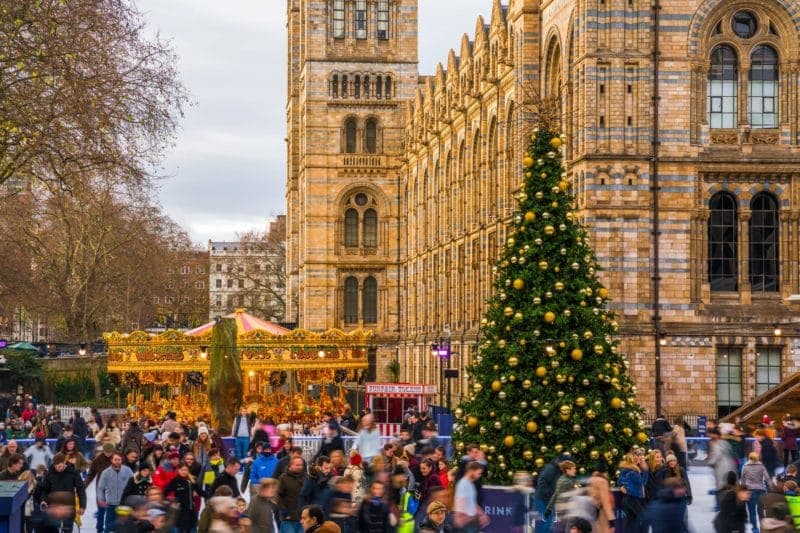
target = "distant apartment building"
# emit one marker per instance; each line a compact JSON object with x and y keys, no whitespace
{"x":183,"y":303}
{"x":249,"y":274}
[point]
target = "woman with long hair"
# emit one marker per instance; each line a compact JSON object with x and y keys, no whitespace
{"x":202,"y":445}
{"x":655,"y":464}
{"x":182,"y":490}
{"x":74,"y":456}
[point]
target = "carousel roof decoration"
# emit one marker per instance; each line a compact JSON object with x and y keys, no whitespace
{"x":245,"y":323}
{"x":262,"y":345}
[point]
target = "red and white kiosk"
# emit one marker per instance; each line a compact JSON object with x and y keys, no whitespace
{"x":388,"y":402}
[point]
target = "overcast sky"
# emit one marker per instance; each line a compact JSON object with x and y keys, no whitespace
{"x":227,"y":171}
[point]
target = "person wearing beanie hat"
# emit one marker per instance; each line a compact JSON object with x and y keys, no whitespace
{"x":167,"y":471}
{"x":202,"y":445}
{"x":673,"y":470}
{"x":139,"y":483}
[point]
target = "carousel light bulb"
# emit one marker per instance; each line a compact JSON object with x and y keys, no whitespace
{"x":203,"y":352}
{"x":321,"y":354}
{"x":251,"y":373}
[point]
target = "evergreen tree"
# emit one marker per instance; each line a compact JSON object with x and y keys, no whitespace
{"x":548,"y":378}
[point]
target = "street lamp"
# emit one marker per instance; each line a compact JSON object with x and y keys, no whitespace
{"x":442,"y":351}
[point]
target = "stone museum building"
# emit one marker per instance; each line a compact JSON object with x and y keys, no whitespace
{"x":683,"y":153}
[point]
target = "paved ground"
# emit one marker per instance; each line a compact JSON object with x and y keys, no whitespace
{"x":701,"y":512}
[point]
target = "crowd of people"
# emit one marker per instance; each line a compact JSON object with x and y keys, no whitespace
{"x":170,"y":475}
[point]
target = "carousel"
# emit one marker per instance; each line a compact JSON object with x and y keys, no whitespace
{"x":287,"y":375}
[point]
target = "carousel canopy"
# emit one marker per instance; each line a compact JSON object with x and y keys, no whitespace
{"x":245,"y":323}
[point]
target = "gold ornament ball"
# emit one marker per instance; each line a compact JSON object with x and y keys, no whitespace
{"x":513,"y":361}
{"x":539,"y":462}
{"x":642,"y":437}
{"x":498,"y":425}
{"x":541,"y":372}
{"x":616,"y":403}
{"x":608,"y":427}
{"x":530,"y":216}
{"x":549,"y":317}
{"x":555,"y":142}
{"x":559,"y":286}
{"x":549,"y":230}
{"x":459,"y":412}
{"x":472,"y":421}
{"x":543,"y":175}
{"x":518,"y":316}
{"x":562,"y":185}
{"x":526,"y":384}
{"x":587,"y":334}
{"x":501,"y":343}
{"x":501,"y":395}
{"x":576,"y":354}
{"x":508,"y":441}
{"x":508,"y":311}
{"x":558,"y":448}
{"x":590,"y":414}
{"x":519,"y":284}
{"x":580,"y":401}
{"x":477,"y":387}
{"x":602,"y":292}
{"x":598,"y":349}
{"x":543,"y":265}
{"x":627,"y":431}
{"x":527,"y":455}
{"x":531,"y":427}
{"x":594,"y":454}
{"x":527,"y":161}
{"x":496,"y":386}
{"x":565,"y":409}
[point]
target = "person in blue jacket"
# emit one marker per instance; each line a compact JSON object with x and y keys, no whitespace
{"x":633,"y":474}
{"x":263,"y":465}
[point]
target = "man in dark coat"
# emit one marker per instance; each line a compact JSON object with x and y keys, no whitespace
{"x":290,"y":484}
{"x":228,"y":477}
{"x":62,"y":477}
{"x":545,"y":487}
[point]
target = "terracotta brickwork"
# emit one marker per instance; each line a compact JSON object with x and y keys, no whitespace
{"x":448,"y":165}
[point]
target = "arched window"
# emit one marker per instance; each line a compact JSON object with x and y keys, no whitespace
{"x":366,"y":86}
{"x":351,"y":300}
{"x":764,"y":243}
{"x":350,"y":136}
{"x":762,"y":92}
{"x":378,"y":86}
{"x":371,"y":136}
{"x":723,"y":79}
{"x":344,"y":85}
{"x":387,"y":93}
{"x":351,"y":227}
{"x":335,"y":86}
{"x":369,"y":301}
{"x":357,"y":87}
{"x":370,"y":228}
{"x":723,"y":243}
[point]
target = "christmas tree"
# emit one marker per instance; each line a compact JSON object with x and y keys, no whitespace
{"x":548,"y":378}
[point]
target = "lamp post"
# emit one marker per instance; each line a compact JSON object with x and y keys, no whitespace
{"x":442,"y":351}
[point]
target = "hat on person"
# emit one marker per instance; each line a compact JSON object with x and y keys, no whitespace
{"x":436,"y":506}
{"x":173,"y":455}
{"x":123,"y":510}
{"x":155,"y":513}
{"x":109,"y":447}
{"x":356,"y":459}
{"x":202,"y":429}
{"x":766,"y":419}
{"x":670,"y":457}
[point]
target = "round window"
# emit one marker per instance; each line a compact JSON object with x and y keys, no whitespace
{"x":745,"y":24}
{"x":361,"y":199}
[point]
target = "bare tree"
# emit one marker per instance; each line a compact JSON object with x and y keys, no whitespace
{"x":93,"y":257}
{"x":82,"y":93}
{"x":260,"y":272}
